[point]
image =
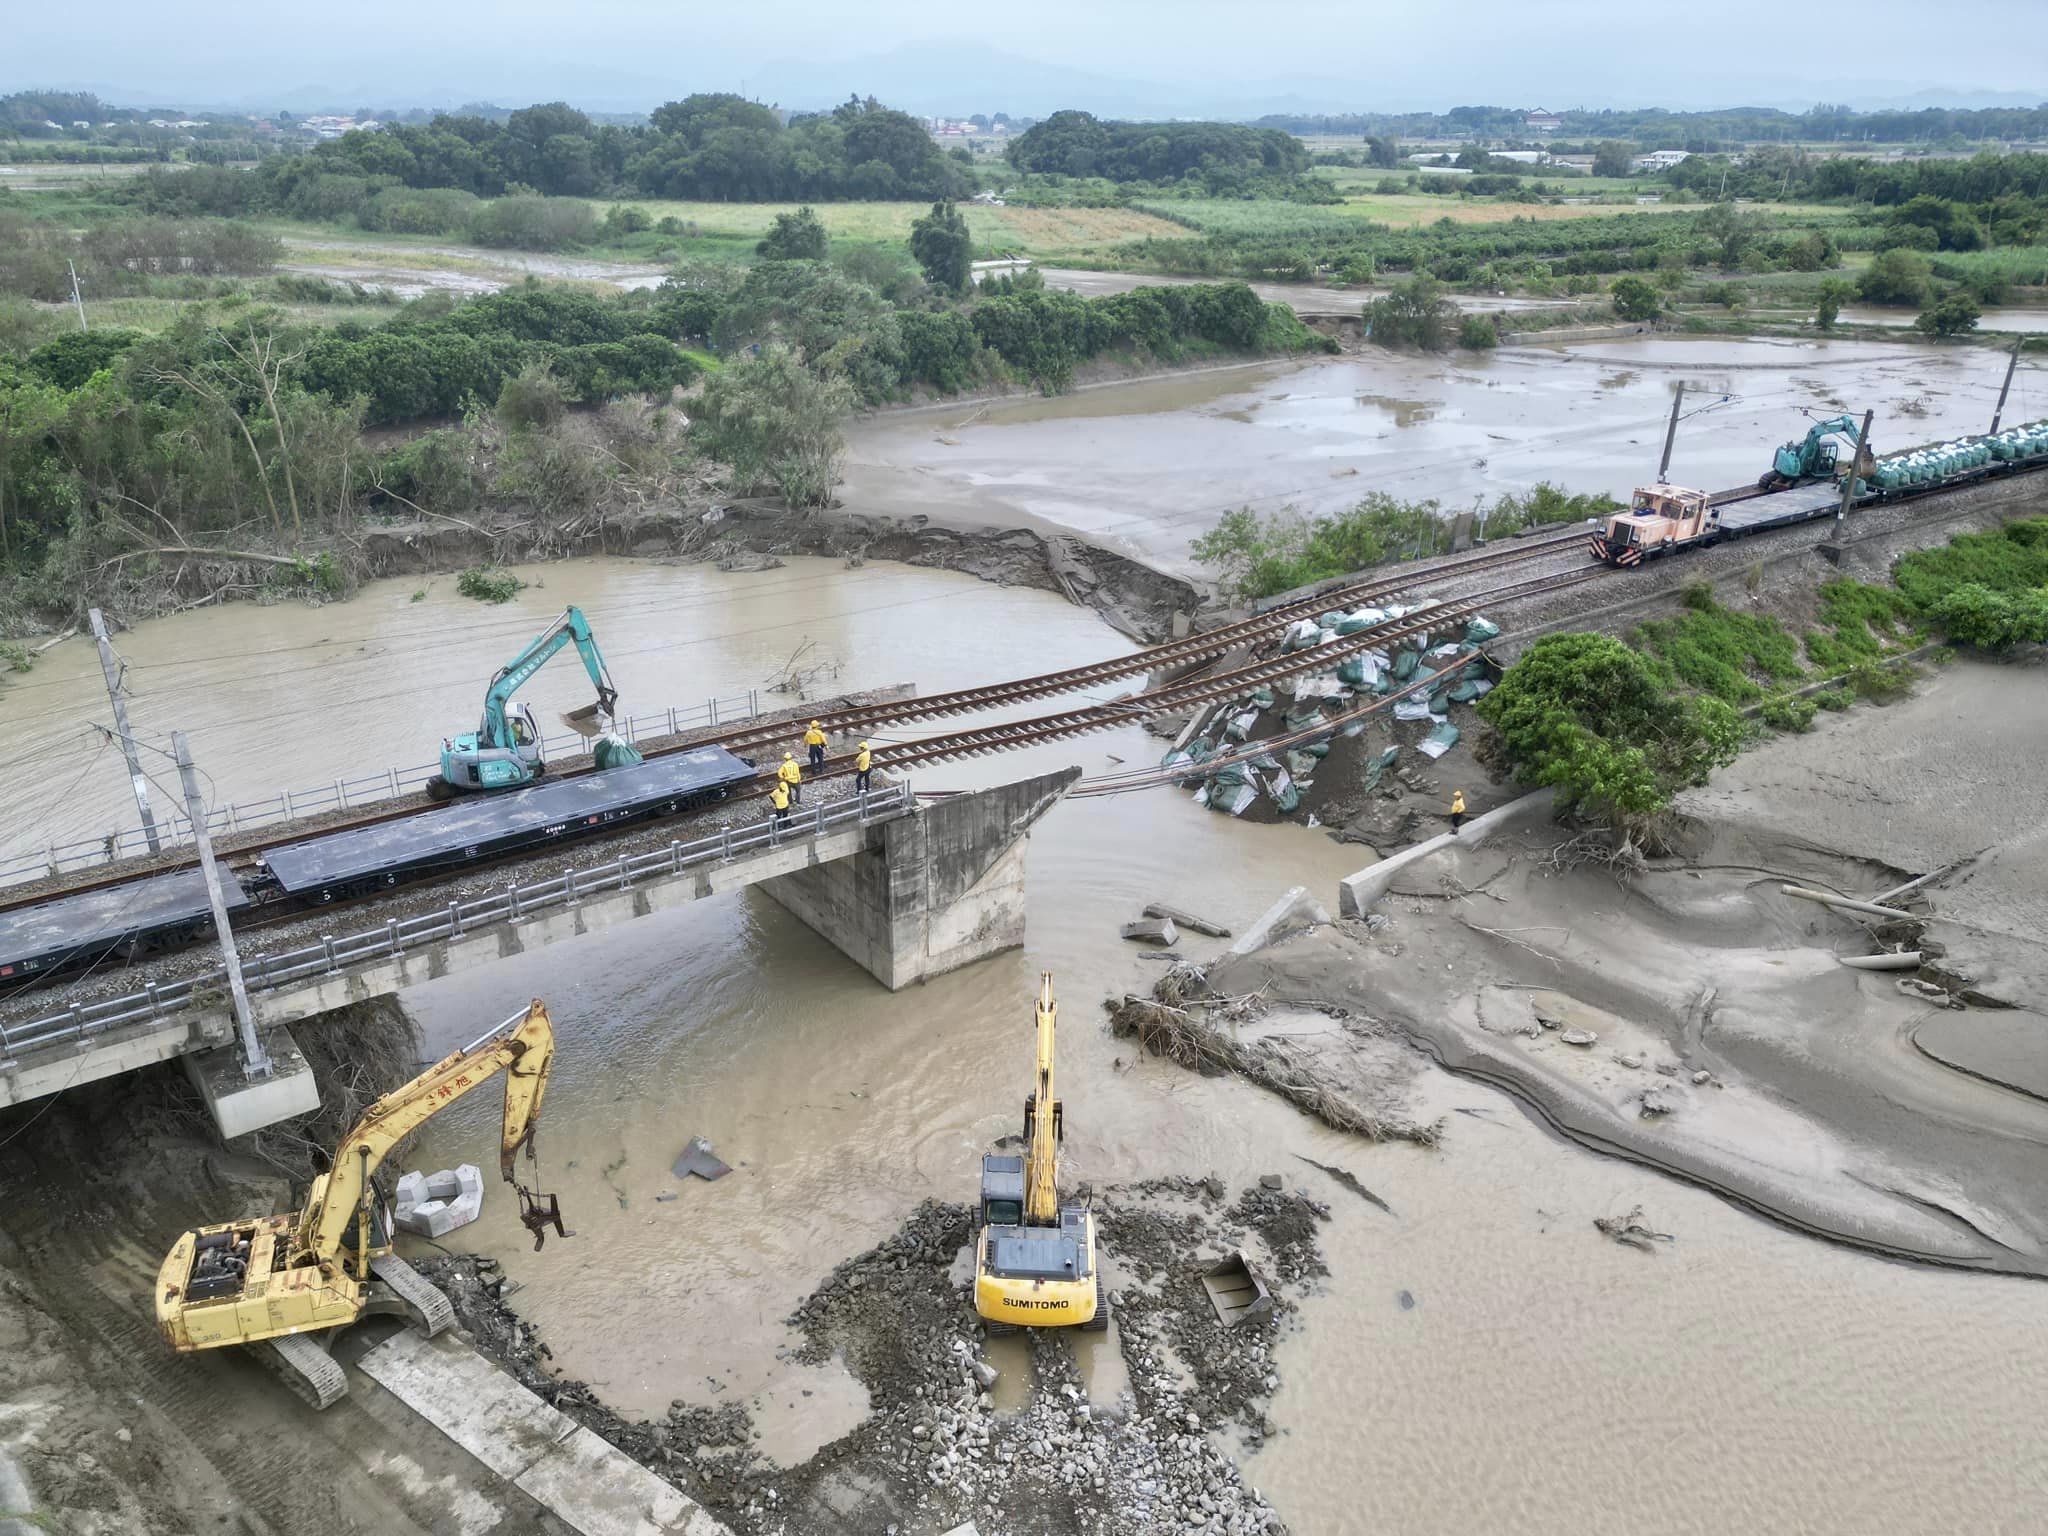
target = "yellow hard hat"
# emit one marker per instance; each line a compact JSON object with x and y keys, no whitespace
{"x":863,"y":746}
{"x":789,"y":755}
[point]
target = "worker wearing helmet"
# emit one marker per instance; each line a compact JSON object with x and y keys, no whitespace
{"x":1457,"y":810}
{"x":863,"y":769}
{"x":778,"y":796}
{"x":814,"y":738}
{"x":792,"y":776}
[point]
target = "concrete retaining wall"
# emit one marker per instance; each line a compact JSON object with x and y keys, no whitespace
{"x":1356,"y":893}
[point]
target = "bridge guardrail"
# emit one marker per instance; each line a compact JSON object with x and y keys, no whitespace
{"x":175,"y":827}
{"x":263,"y":973}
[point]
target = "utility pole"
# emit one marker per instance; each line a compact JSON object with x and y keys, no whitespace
{"x":77,"y":297}
{"x":113,"y":677}
{"x":2010,"y":364}
{"x":255,"y":1063}
{"x":1856,"y":458}
{"x":1671,"y":432}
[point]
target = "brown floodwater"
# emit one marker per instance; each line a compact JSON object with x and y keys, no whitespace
{"x":1151,"y":465}
{"x":1544,"y":1379}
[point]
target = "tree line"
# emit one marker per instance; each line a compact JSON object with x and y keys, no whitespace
{"x":1701,"y":132}
{"x":1223,"y":158}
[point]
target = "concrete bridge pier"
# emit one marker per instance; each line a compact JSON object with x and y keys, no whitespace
{"x":932,"y":891}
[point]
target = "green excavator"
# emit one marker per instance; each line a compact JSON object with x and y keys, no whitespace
{"x":1814,"y":457}
{"x":504,"y":751}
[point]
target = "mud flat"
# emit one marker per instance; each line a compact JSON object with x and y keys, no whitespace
{"x":1691,"y":1015}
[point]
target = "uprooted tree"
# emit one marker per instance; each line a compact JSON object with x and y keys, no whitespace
{"x":1591,"y":718}
{"x":777,"y":424}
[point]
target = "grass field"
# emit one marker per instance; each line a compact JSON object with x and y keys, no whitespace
{"x":1025,"y":231}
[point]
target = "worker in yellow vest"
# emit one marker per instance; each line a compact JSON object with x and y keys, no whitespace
{"x":778,"y":797}
{"x":792,"y":776}
{"x":863,"y":769}
{"x":814,"y":738}
{"x":1457,"y":810}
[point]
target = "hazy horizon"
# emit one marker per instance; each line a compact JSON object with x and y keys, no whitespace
{"x":1114,"y":57}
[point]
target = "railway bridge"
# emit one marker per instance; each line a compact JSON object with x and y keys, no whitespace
{"x":904,"y":889}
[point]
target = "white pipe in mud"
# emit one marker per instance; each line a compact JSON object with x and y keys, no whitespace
{"x":1909,"y":961}
{"x":1847,"y":904}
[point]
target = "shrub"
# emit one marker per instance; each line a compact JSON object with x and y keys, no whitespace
{"x":1634,"y":299}
{"x":1415,"y":314}
{"x":530,"y":398}
{"x":1956,"y":315}
{"x":1836,"y":699}
{"x":1788,"y":714}
{"x":1589,"y":716}
{"x":488,"y":585}
{"x":1895,"y":277}
{"x":1974,"y":614}
{"x":533,"y":223}
{"x":1881,"y":682}
{"x":798,"y":236}
{"x":1478,"y":333}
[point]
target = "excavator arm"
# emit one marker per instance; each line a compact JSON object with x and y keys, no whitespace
{"x":496,"y":729}
{"x":1042,"y":1123}
{"x":523,"y":1048}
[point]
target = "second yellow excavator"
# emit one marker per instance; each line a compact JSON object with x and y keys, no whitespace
{"x":280,"y":1282}
{"x":1034,"y":1264}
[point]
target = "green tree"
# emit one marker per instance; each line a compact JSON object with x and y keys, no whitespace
{"x":1827,"y":308}
{"x":798,"y":236}
{"x":1896,"y":276}
{"x":777,"y":424}
{"x":941,"y":244}
{"x":1611,"y":157}
{"x":1955,"y":315}
{"x":1415,"y":314}
{"x":1634,"y":299}
{"x":1590,"y":717}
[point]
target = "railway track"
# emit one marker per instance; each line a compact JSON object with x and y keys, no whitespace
{"x":741,"y":740}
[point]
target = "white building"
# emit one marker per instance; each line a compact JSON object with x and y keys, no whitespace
{"x":1661,"y":159}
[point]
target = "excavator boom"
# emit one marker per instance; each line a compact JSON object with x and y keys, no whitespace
{"x":1042,"y":1123}
{"x":496,"y":729}
{"x":523,"y":1048}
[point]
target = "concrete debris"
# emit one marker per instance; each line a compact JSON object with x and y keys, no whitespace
{"x":1269,"y":1181}
{"x":1630,"y":1232}
{"x":1578,"y":1037}
{"x":699,"y":1159}
{"x":1152,"y":930}
{"x":1659,"y":1101}
{"x":1187,"y":920}
{"x":1293,"y":912}
{"x":1908,"y":961}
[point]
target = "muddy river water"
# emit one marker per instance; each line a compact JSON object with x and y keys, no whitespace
{"x":1544,"y":1379}
{"x":1149,"y":466}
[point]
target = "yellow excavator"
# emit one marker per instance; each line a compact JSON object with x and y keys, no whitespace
{"x":279,"y":1283}
{"x":1034,"y":1264}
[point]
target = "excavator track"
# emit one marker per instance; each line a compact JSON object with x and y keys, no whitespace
{"x":300,"y":1363}
{"x":429,"y":1310}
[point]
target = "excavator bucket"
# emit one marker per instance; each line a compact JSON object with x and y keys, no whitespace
{"x":537,"y":1218}
{"x":589,"y":721}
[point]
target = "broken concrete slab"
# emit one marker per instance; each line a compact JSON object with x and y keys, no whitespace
{"x":1152,"y":930}
{"x":1291,"y":914}
{"x":1187,"y":920}
{"x":441,"y":1185}
{"x":1356,"y":893}
{"x":699,"y":1159}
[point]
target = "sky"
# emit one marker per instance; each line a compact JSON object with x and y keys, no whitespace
{"x":1134,"y":57}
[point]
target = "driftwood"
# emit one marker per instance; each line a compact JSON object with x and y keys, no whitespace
{"x":1630,"y":1232}
{"x":1849,"y":904}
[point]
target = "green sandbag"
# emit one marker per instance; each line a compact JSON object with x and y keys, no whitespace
{"x":1352,"y":672}
{"x":1262,"y":698}
{"x":1406,"y":663}
{"x":1375,"y":769}
{"x":1479,"y":631}
{"x":1301,"y":765}
{"x":1439,"y":700}
{"x":1306,"y":720}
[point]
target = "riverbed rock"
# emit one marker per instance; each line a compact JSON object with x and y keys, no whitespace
{"x":1580,"y":1037}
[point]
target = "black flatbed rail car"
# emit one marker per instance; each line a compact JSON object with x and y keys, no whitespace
{"x":124,"y":922}
{"x":1777,"y":509}
{"x":484,"y":827}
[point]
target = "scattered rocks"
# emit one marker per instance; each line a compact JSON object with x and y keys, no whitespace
{"x":1580,"y":1037}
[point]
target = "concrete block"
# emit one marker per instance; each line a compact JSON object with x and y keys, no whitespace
{"x":240,"y":1103}
{"x":468,"y":1203}
{"x":430,"y":1218}
{"x":1292,"y":913}
{"x":412,"y":1191}
{"x":1187,"y":920}
{"x":1152,"y":930}
{"x":441,"y":1185}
